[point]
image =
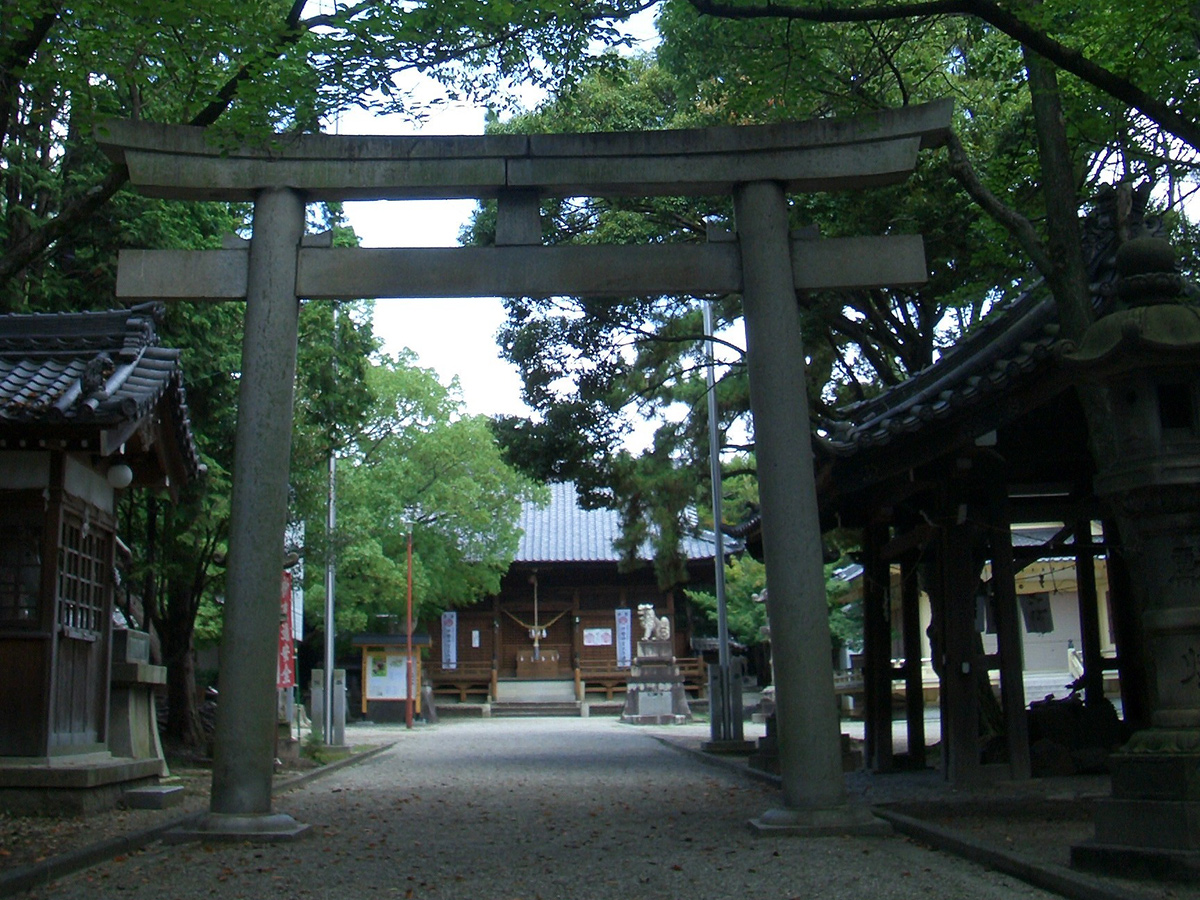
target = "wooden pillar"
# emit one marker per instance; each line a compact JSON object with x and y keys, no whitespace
{"x":1089,"y":614}
{"x":576,"y":631}
{"x":497,"y":640}
{"x":877,"y":651}
{"x":1127,"y":626}
{"x":1008,"y":635}
{"x":960,"y":705}
{"x":914,"y":688}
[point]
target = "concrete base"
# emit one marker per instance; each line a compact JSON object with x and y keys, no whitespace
{"x":655,"y":720}
{"x":222,"y":827}
{"x":465,"y":711}
{"x":132,"y":715}
{"x":655,"y":694}
{"x":287,"y":749}
{"x":849,"y":819}
{"x":1136,"y":862}
{"x":1150,"y":826}
{"x":729,"y":748}
{"x":71,"y":785}
{"x":153,"y":796}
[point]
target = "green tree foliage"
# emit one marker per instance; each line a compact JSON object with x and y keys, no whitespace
{"x":251,"y":66}
{"x":1144,"y":56}
{"x":243,"y":70}
{"x":420,"y":464}
{"x":590,"y":366}
{"x":746,"y":611}
{"x":747,"y":62}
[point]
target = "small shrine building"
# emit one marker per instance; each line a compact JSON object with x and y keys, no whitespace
{"x":563,"y":627}
{"x":90,"y":404}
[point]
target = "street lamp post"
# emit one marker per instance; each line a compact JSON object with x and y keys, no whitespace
{"x":725,"y":725}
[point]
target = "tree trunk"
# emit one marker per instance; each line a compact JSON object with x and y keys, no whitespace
{"x":1069,"y":283}
{"x":1068,"y":278}
{"x":184,"y":727}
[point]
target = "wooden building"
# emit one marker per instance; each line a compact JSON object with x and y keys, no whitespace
{"x":89,"y":404}
{"x":964,"y":477}
{"x":565,"y":622}
{"x":960,"y":479}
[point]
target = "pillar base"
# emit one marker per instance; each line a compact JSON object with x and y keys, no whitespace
{"x":1150,"y":825}
{"x":266,"y":828}
{"x":1136,"y":862}
{"x":729,"y":748}
{"x":848,"y":819}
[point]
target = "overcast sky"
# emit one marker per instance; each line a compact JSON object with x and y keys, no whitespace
{"x":455,"y":337}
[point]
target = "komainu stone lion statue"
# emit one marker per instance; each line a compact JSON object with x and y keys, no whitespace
{"x":654,"y":628}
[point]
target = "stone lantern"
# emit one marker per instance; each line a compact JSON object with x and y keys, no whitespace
{"x":1144,"y":359}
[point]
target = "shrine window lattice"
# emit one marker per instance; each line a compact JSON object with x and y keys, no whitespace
{"x":82,"y":579}
{"x":20,"y":573}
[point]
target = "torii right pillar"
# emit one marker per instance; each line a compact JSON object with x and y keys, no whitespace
{"x":814,"y":797}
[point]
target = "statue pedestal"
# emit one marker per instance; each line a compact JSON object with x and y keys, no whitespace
{"x":1150,"y":826}
{"x":655,"y":694}
{"x":1143,"y":359}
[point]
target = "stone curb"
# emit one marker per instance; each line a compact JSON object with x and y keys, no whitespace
{"x":26,"y":878}
{"x":313,"y":774}
{"x":1058,"y":879}
{"x":735,"y":764}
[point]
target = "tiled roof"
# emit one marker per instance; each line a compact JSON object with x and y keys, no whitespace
{"x":1014,"y":347}
{"x":562,"y":531}
{"x":93,"y":370}
{"x":1013,"y":344}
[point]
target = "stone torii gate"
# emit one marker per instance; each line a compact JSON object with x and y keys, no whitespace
{"x":757,"y":165}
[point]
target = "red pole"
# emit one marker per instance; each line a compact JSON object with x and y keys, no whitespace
{"x":408,"y":647}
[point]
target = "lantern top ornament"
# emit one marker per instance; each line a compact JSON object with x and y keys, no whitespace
{"x":1155,"y":324}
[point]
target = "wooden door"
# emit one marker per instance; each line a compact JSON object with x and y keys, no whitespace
{"x":26,"y":533}
{"x":83,"y":621}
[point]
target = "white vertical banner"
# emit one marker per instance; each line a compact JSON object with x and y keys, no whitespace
{"x":624,"y":637}
{"x":449,"y":640}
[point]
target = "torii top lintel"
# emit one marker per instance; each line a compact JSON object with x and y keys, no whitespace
{"x":181,"y":162}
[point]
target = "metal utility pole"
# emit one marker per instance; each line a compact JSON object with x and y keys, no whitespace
{"x":330,"y":567}
{"x":330,"y":524}
{"x":408,"y":645}
{"x":725,"y":725}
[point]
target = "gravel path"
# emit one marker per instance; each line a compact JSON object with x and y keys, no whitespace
{"x":537,"y":808}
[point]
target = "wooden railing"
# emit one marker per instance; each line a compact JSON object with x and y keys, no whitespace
{"x":695,"y":675}
{"x":604,"y":676}
{"x":464,"y":681}
{"x":600,"y":676}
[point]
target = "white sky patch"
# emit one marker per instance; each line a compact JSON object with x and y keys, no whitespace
{"x":454,"y":337}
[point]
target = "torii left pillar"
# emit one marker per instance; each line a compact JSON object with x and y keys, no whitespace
{"x":243,"y":764}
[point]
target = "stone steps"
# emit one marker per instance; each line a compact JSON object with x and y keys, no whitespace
{"x":152,"y":796}
{"x":512,"y":708}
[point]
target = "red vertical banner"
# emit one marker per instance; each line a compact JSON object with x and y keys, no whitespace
{"x":286,"y":661}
